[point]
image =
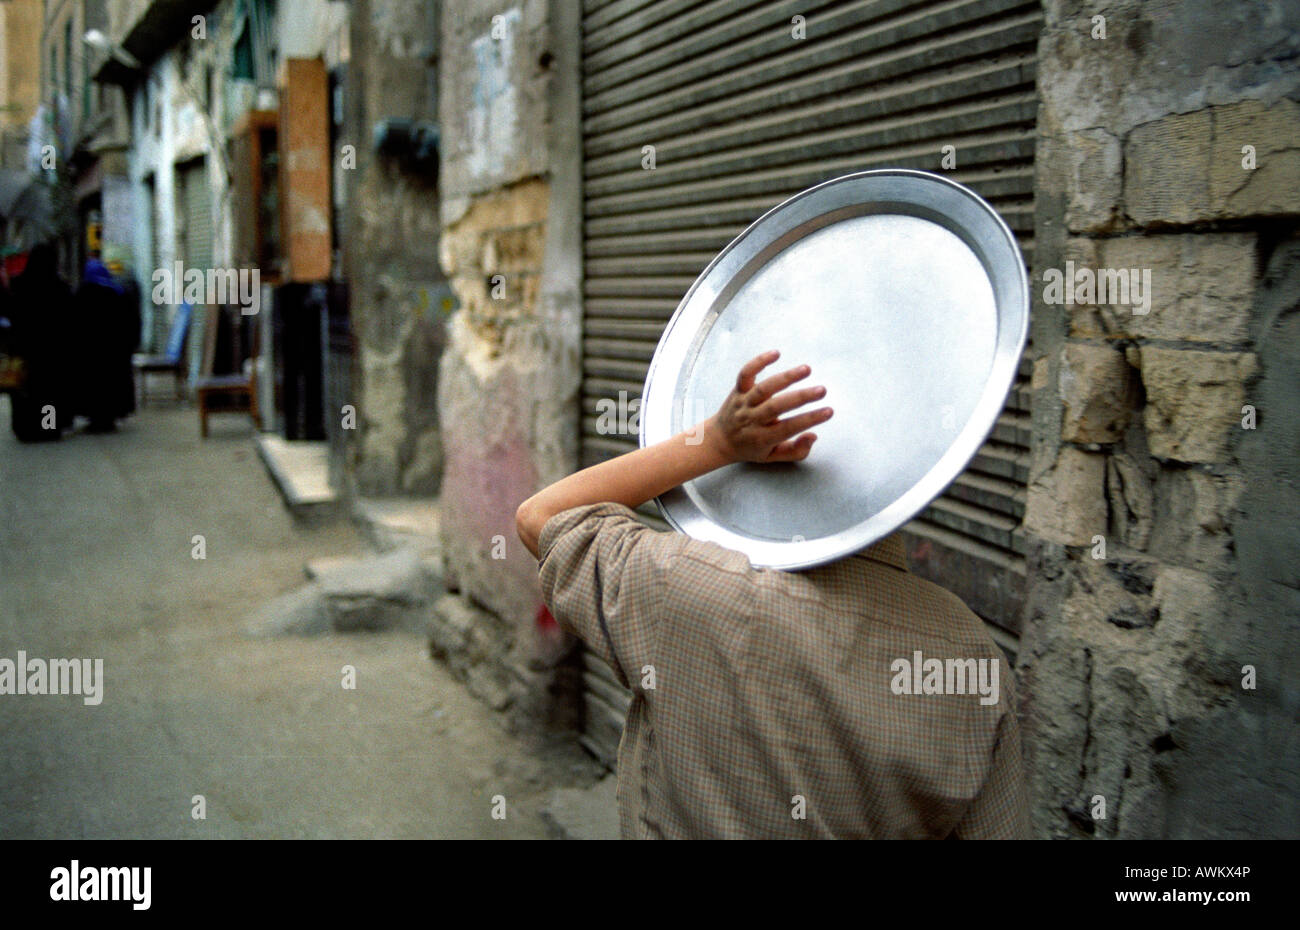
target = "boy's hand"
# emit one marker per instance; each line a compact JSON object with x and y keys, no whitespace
{"x":749,"y":428}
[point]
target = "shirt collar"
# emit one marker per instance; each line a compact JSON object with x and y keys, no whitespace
{"x":888,"y":551}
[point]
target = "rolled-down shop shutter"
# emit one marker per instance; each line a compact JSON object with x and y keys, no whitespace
{"x":741,"y":115}
{"x":194,"y":243}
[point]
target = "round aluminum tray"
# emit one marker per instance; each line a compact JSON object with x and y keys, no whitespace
{"x":908,"y":296}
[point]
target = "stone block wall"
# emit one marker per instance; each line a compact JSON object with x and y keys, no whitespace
{"x":1159,"y":665}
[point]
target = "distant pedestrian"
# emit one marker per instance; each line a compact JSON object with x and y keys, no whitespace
{"x":107,"y":336}
{"x":39,"y":313}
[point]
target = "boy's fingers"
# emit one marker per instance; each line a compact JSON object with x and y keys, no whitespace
{"x":749,"y":371}
{"x":775,"y":384}
{"x":784,"y":403}
{"x":793,"y":425}
{"x":793,"y":450}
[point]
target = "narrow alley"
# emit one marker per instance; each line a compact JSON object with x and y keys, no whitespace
{"x":97,"y":561}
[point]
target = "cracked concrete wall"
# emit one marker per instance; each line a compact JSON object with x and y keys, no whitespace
{"x":400,"y":298}
{"x":1165,"y":477}
{"x":509,"y":379}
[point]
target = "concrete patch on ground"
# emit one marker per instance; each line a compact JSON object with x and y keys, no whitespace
{"x":583,"y":813}
{"x":390,"y":524}
{"x":391,"y":590}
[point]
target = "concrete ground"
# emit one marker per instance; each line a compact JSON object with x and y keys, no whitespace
{"x":96,"y":561}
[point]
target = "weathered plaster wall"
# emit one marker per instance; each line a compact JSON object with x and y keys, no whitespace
{"x":312,"y":28}
{"x":1132,"y":662}
{"x":399,"y":296}
{"x":510,"y":246}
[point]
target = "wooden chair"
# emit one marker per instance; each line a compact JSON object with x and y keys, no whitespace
{"x":172,"y":360}
{"x":240,"y":387}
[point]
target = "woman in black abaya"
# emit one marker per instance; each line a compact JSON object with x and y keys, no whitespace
{"x":39,"y":305}
{"x":108,"y":330}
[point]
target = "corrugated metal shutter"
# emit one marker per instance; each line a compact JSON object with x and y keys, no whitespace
{"x":194,"y":241}
{"x":742,"y":115}
{"x":159,"y":316}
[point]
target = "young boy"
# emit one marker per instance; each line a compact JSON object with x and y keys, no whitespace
{"x":769,"y":703}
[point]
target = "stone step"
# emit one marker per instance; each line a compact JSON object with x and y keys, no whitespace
{"x":300,"y":471}
{"x":389,"y":590}
{"x":393,"y":523}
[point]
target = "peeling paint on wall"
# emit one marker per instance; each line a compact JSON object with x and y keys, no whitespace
{"x":494,"y":109}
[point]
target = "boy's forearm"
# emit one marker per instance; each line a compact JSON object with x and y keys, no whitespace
{"x":630,"y":480}
{"x":748,"y":427}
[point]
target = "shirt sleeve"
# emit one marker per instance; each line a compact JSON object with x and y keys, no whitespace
{"x":1001,"y":811}
{"x":603,"y":573}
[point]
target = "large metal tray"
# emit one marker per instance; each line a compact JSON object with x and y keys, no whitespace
{"x":907,"y":295}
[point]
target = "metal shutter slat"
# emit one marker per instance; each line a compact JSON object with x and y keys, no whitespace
{"x":723,"y":62}
{"x":843,"y":63}
{"x":844,"y":121}
{"x":789,"y":181}
{"x":192,"y":179}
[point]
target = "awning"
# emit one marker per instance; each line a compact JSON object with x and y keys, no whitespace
{"x":162,"y":24}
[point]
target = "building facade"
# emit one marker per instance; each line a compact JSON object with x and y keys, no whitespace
{"x":25,"y":217}
{"x":79,"y":137}
{"x":205,"y":82}
{"x":20,"y":78}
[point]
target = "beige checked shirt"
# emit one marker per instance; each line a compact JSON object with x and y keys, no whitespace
{"x":764,"y":702}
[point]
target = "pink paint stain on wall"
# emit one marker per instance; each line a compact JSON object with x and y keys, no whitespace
{"x":488,"y":473}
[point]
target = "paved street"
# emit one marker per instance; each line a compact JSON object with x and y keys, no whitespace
{"x":96,"y":562}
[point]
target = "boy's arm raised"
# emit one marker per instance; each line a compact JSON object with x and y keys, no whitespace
{"x":747,"y":428}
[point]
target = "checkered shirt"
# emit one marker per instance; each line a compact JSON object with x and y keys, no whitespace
{"x":762,"y":704}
